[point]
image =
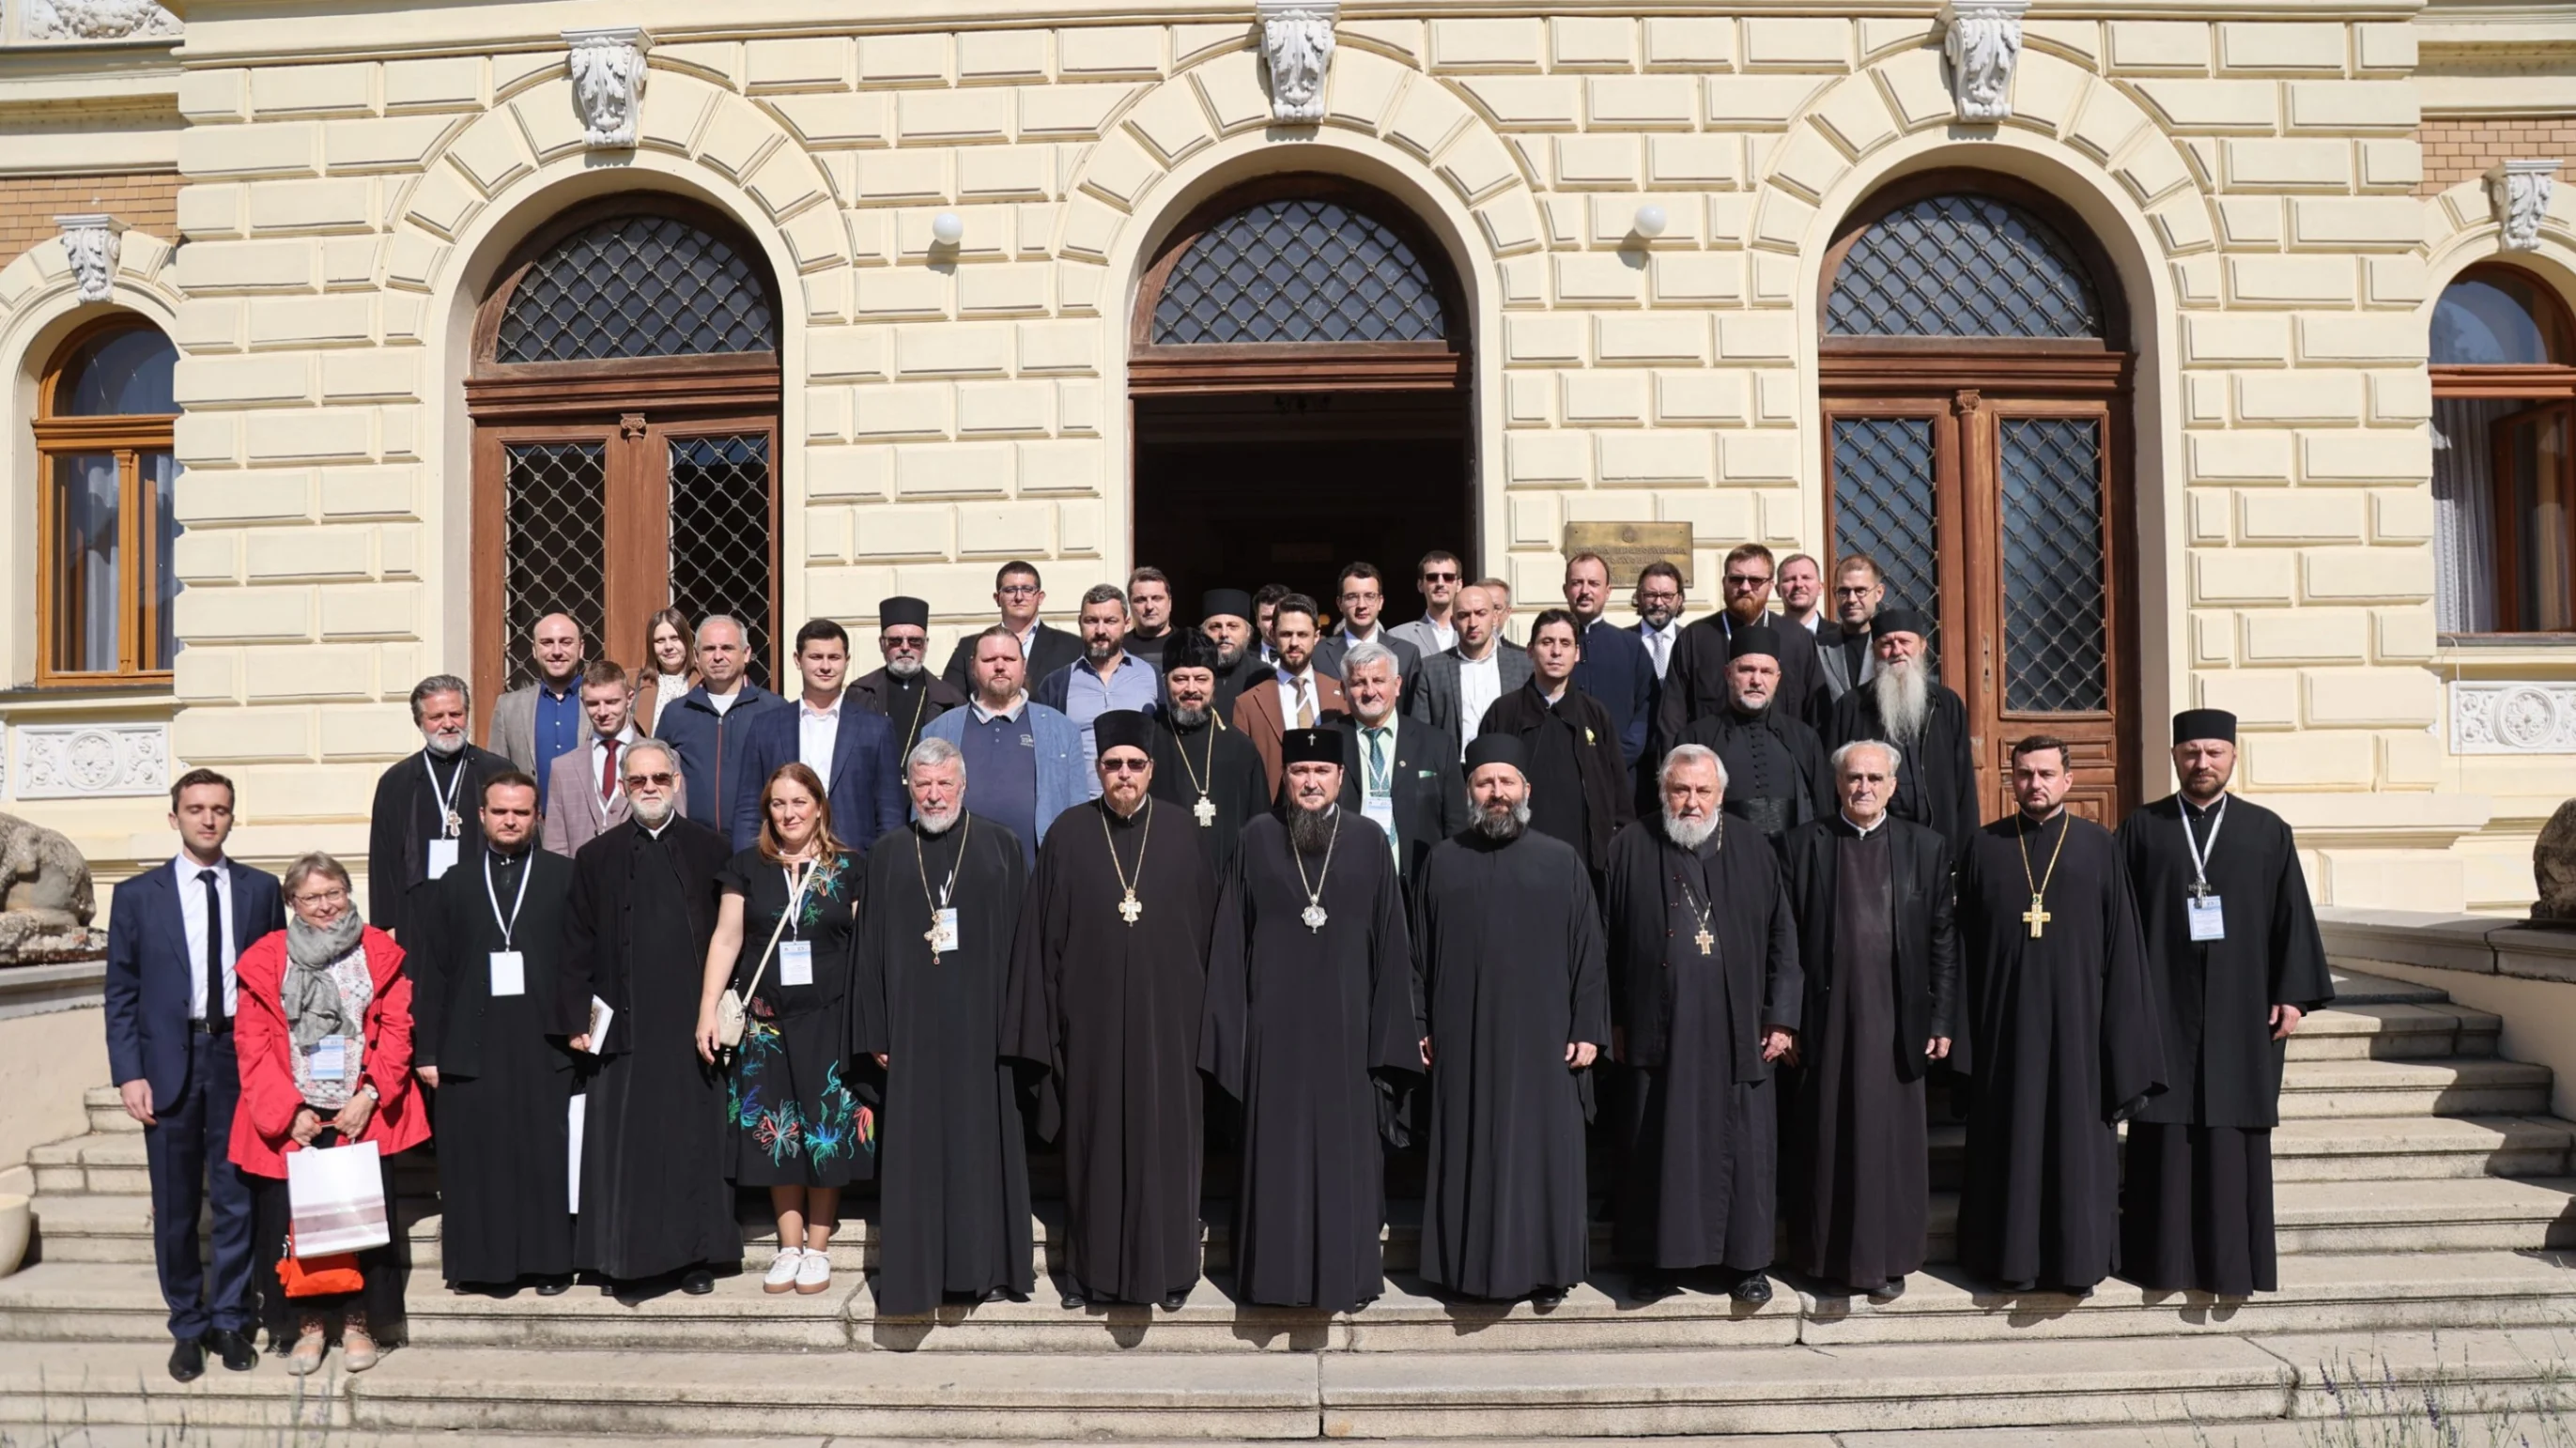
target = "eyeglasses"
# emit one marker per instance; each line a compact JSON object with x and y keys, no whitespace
{"x":1853,"y":590}
{"x":657,"y":781}
{"x":1016,"y":590}
{"x":1126,"y":766}
{"x":1747,"y":580}
{"x":1440,"y":578}
{"x":323,"y":897}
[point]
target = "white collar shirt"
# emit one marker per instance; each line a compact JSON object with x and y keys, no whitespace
{"x":1480,"y":683}
{"x":192,"y":914}
{"x":817,"y":730}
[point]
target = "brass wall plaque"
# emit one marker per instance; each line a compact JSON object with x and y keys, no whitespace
{"x":1629,"y":547}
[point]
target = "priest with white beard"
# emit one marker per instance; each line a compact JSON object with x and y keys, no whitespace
{"x":1906,"y":704}
{"x":426,"y":815}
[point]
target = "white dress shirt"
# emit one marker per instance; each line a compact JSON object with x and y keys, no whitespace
{"x":1480,"y":683}
{"x":817,"y":730}
{"x":599,"y":760}
{"x":1659,"y":642}
{"x":1297,"y":694}
{"x":192,"y":912}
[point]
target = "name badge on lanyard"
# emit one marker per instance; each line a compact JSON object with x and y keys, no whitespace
{"x":442,"y":857}
{"x":2201,"y":908}
{"x":509,"y":973}
{"x":328,"y":1059}
{"x":442,"y":847}
{"x":943,"y":930}
{"x":796,"y":962}
{"x":509,"y":967}
{"x":2208,"y":921}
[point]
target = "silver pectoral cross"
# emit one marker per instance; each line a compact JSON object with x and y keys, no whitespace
{"x":1314,"y":917}
{"x":1704,"y":940}
{"x":1130,"y":908}
{"x":1205,"y":811}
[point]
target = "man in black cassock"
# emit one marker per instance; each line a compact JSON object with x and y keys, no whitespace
{"x":904,"y":691}
{"x":425,"y":818}
{"x":1705,"y":994}
{"x":1312,"y":1028}
{"x":486,"y":951}
{"x":943,"y":897}
{"x":1225,"y":617}
{"x":1508,"y":945}
{"x":1695,"y":677}
{"x":1576,"y":779}
{"x":654,"y":1199}
{"x":1108,"y":978}
{"x":1906,"y":704}
{"x":1775,"y":768}
{"x":2058,"y":1038}
{"x":2234,"y":962}
{"x":1207,"y":771}
{"x":1877,"y":933}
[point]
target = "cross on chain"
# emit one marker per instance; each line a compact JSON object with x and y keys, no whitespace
{"x":1704,"y":940}
{"x":2036,"y":916}
{"x":1130,"y":908}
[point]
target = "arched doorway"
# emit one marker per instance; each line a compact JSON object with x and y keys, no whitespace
{"x":1975,"y":370}
{"x":1298,"y":369}
{"x":624,"y":395}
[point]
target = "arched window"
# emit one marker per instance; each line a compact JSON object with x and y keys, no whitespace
{"x":103,"y":419}
{"x":1302,"y":269}
{"x":1962,"y":265}
{"x":2504,"y":455}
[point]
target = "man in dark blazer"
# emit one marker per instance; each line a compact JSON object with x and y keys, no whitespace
{"x":1440,"y":692}
{"x":904,"y":692}
{"x":1616,"y":669}
{"x":1843,"y":642}
{"x":1043,"y":649}
{"x":1399,"y":772}
{"x":174,"y":933}
{"x":1695,"y":683}
{"x":1363,"y":599}
{"x":852,"y":750}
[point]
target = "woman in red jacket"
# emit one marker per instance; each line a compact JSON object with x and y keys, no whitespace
{"x":323,"y":1030}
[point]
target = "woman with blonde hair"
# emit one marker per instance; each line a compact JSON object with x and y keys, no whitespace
{"x":787,"y":937}
{"x":670,"y":668}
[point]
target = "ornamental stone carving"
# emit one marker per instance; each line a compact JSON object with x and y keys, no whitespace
{"x":91,"y":242}
{"x":2519,"y":191}
{"x":46,"y":902}
{"x":98,"y":20}
{"x":1981,"y":39}
{"x":608,"y":83}
{"x":2512,"y":718}
{"x":92,"y":761}
{"x":1297,"y":47}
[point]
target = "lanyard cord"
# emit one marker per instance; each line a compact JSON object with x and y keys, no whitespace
{"x":447,"y":820}
{"x":510,"y":926}
{"x":2200,"y":854}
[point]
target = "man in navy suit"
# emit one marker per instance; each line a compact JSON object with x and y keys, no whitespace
{"x":1615,"y":667}
{"x":173,"y":933}
{"x":851,"y":750}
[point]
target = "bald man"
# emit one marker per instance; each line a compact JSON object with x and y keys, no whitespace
{"x":538,"y":721}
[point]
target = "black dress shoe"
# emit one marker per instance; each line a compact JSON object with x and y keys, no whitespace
{"x":1547,"y":1299}
{"x":1175,"y":1301}
{"x":1004,"y":1294}
{"x":188,"y":1359}
{"x":697,"y":1282}
{"x":1888,"y":1291}
{"x":554,"y":1287}
{"x":1753,"y":1289}
{"x":1652,"y":1286}
{"x":1075,"y":1299}
{"x":233,"y":1346}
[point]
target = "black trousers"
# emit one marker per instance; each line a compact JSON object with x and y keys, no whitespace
{"x":188,"y":1152}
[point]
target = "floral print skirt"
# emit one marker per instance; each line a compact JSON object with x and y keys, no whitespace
{"x":794,"y":1113}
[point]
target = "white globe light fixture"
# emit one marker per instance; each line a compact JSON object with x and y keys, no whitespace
{"x":1651,"y":221}
{"x":948,"y":228}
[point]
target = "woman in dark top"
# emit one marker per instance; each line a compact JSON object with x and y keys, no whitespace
{"x":795,"y":1122}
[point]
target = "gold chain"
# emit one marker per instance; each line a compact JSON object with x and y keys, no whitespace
{"x":2039,"y":886}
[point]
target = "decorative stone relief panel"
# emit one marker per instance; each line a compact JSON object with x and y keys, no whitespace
{"x":2512,"y":718}
{"x":1297,"y":46}
{"x":91,"y":761}
{"x":608,"y":83}
{"x":91,"y":243}
{"x":1981,"y":39}
{"x":2520,"y":191}
{"x":98,"y":20}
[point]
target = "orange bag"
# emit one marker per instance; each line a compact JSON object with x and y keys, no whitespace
{"x":327,"y":1276}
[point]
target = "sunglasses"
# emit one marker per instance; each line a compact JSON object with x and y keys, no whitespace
{"x":1440,"y":578}
{"x":657,"y":781}
{"x":1741,"y":580}
{"x":1126,"y":766}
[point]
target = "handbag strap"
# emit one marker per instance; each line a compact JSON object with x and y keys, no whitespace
{"x":795,"y":902}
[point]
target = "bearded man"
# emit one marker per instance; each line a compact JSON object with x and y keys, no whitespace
{"x":1312,"y":1027}
{"x":1905,"y":704}
{"x":1202,"y":764}
{"x":1695,"y":681}
{"x":1775,"y":768}
{"x":904,"y":692}
{"x":1225,"y":617}
{"x":1705,"y":994}
{"x":425,"y":817}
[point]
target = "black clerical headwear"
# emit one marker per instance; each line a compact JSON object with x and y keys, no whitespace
{"x":2193,"y":724}
{"x":1225,"y":603}
{"x":1122,"y":728}
{"x":1901,"y":620}
{"x":898,"y":612}
{"x":1754,"y":638}
{"x":1310,"y":746}
{"x":1187,"y":648}
{"x":1497,"y":749}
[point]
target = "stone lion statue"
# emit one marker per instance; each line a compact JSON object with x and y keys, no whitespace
{"x":2553,"y":867}
{"x":45,"y":898}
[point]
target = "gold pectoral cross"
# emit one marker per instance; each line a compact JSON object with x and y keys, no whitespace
{"x":2036,"y":916}
{"x":1130,"y":908}
{"x":1704,"y":940}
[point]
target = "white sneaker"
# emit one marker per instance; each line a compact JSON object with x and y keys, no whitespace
{"x":815,"y":1272}
{"x":784,"y":1269}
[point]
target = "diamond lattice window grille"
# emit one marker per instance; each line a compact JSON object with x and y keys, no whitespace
{"x":1962,"y":266}
{"x":2056,"y":642}
{"x":720,"y":535}
{"x":1885,"y":505}
{"x":638,"y":286}
{"x":1299,"y":271}
{"x":552,"y":497}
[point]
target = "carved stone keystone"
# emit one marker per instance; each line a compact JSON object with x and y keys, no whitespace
{"x":1981,"y":39}
{"x":2520,"y":191}
{"x":1297,"y":46}
{"x":91,"y":242}
{"x":608,"y":83}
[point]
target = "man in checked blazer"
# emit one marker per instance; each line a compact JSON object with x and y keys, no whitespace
{"x":173,"y":935}
{"x":582,"y":811}
{"x":1298,"y":695}
{"x":1458,"y":684}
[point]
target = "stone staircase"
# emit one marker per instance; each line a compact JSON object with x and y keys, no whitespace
{"x":2426,"y":1202}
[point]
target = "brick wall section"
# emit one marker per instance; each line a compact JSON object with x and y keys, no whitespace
{"x":2457,"y":150}
{"x":29,"y":204}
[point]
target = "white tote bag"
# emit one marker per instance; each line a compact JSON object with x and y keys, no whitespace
{"x":338,"y":1199}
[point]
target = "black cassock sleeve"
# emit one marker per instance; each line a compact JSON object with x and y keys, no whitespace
{"x":1587,"y":951}
{"x":870,"y":1011}
{"x":1225,"y":1021}
{"x":1784,"y":993}
{"x":575,"y":978}
{"x":2300,"y":976}
{"x":2133,"y":1057}
{"x":385,"y":871}
{"x":429,"y":958}
{"x":1030,"y":1009}
{"x":1396,"y":1021}
{"x":1942,"y":902}
{"x":1970,"y":890}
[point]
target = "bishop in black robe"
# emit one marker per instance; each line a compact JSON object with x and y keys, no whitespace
{"x":1878,"y":935}
{"x":1199,"y":757}
{"x":2196,"y":1212}
{"x":1509,"y":947}
{"x":408,"y":814}
{"x":1775,"y":767}
{"x":505,"y":1078}
{"x":952,"y":1170}
{"x":1312,"y":1028}
{"x":1705,"y":992}
{"x":1104,"y":1003}
{"x":654,"y":1199}
{"x":1936,"y":775}
{"x":2059,"y":1043}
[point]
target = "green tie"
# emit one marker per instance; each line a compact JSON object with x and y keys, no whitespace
{"x":1377,"y":762}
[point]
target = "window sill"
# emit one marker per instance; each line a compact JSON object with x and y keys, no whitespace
{"x":135,"y":701}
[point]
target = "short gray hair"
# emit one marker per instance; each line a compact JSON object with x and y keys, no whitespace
{"x":930,"y":754}
{"x":1691,"y":754}
{"x":438,"y":684}
{"x":728,"y":620}
{"x":307,"y":866}
{"x":669,"y":755}
{"x":1362,"y":655}
{"x":1104,"y":593}
{"x":1895,"y":761}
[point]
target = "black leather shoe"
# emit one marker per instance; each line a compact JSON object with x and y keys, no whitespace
{"x":233,"y":1346}
{"x":1888,"y":1291}
{"x":188,"y":1359}
{"x":1075,"y":1299}
{"x":1547,"y":1299}
{"x":1005,"y":1294}
{"x":697,"y":1282}
{"x":1175,"y":1301}
{"x":1652,"y":1286}
{"x":1752,"y":1289}
{"x":555,"y":1287}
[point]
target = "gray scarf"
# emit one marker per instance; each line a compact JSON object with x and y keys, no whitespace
{"x":314,"y":1008}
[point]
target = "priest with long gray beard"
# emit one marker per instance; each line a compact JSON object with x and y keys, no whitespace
{"x":1906,"y":704}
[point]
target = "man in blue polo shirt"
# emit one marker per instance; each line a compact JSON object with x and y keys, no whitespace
{"x":1107,"y":677}
{"x":1023,"y":759}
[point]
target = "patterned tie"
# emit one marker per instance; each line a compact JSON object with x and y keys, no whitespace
{"x":608,"y":771}
{"x":1378,"y":783}
{"x":1305,"y":703}
{"x":217,"y":1018}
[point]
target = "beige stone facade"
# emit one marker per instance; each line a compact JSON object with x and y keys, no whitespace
{"x":2259,"y":176}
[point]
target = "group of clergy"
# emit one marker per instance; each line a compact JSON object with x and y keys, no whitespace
{"x":1750,"y":988}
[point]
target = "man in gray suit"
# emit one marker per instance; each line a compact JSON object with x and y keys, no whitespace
{"x":1362,"y":597}
{"x":536,"y":723}
{"x":1438,"y":577}
{"x":1459,"y":684}
{"x":590,"y":798}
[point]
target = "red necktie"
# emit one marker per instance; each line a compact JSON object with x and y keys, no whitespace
{"x":608,"y":771}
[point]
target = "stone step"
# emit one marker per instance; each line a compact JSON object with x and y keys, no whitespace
{"x":2452,"y":1086}
{"x":2440,"y":1215}
{"x":2418,"y":1147}
{"x":2357,"y":988}
{"x":2394,"y":1032}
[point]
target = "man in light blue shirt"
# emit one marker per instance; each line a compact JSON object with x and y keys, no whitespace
{"x":1108,"y":677}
